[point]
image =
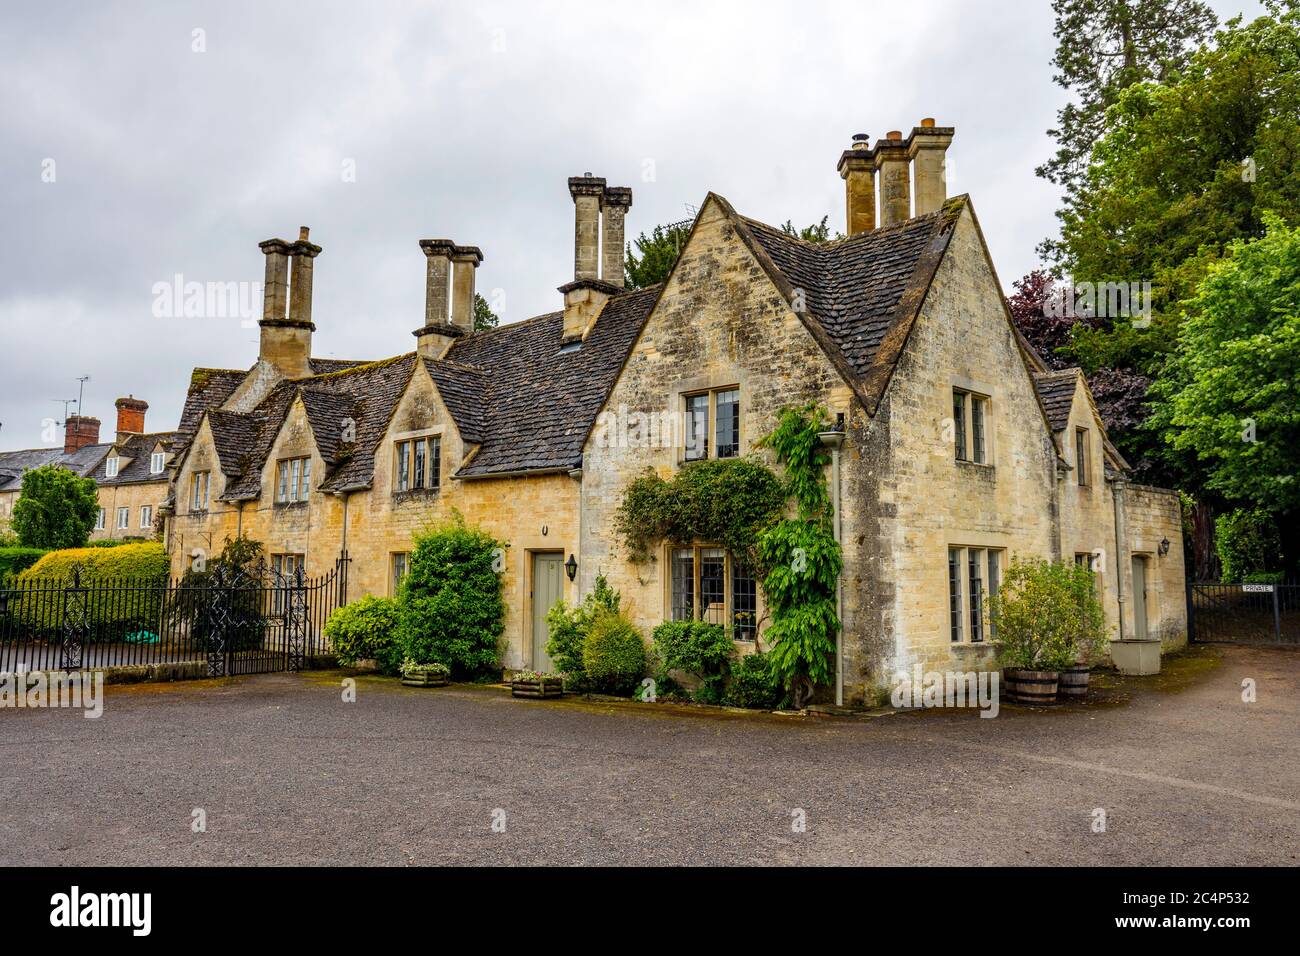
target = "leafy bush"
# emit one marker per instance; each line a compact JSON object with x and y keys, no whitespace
{"x":754,"y":684}
{"x":698,"y":648}
{"x":16,"y":559}
{"x":55,"y":508}
{"x":112,"y":612}
{"x":207,"y":590}
{"x":567,"y":630}
{"x":1247,"y":542}
{"x":366,"y":629}
{"x":450,"y":599}
{"x":1047,"y":616}
{"x":614,"y":654}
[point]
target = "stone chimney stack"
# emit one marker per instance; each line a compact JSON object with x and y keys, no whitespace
{"x":587,"y":191}
{"x":78,"y":432}
{"x":437,"y":332}
{"x":895,"y":189}
{"x":857,"y":167}
{"x":286,"y":319}
{"x":928,"y":149}
{"x":614,"y":204}
{"x":465,"y":260}
{"x":130,"y":416}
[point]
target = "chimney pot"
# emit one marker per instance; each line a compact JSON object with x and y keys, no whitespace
{"x":927,"y":123}
{"x":894,"y":134}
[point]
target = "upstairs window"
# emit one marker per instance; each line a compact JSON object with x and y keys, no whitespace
{"x":293,"y":480}
{"x":419,"y":464}
{"x":157,"y":461}
{"x":721,"y":407}
{"x":199,"y":483}
{"x":1082,"y":458}
{"x":110,"y":467}
{"x":970,"y":426}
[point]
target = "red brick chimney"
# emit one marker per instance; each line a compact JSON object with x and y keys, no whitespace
{"x":130,"y":415}
{"x":79,"y":431}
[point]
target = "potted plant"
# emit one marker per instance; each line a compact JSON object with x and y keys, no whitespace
{"x":424,"y":675}
{"x":1090,"y":641}
{"x":1045,"y":615}
{"x":536,"y":684}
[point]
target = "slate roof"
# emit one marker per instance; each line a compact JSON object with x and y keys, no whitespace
{"x":81,"y":462}
{"x":1056,"y":391}
{"x":540,"y":402}
{"x":209,"y":388}
{"x":135,"y":450}
{"x":862,"y":294}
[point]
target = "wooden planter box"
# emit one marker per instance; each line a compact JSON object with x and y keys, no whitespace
{"x":546,"y":687}
{"x":424,"y":680}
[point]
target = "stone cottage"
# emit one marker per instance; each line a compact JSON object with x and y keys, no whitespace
{"x":956,"y":448}
{"x":130,"y":471}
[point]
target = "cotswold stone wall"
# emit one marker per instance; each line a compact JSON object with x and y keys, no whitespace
{"x":928,"y":500}
{"x":720,"y":322}
{"x":132,"y":497}
{"x":1152,"y":515}
{"x":529,"y":514}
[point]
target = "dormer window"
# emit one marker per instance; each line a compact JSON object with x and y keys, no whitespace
{"x":418,"y":464}
{"x":293,"y":481}
{"x":110,"y":467}
{"x":157,"y":461}
{"x":970,"y":426}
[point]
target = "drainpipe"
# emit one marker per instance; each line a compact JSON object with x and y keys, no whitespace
{"x":343,"y":551}
{"x":1116,"y":490}
{"x":833,"y":440}
{"x":576,"y":475}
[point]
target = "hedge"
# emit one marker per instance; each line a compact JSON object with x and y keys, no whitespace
{"x":366,"y":629}
{"x":16,"y":559}
{"x":113,"y":611}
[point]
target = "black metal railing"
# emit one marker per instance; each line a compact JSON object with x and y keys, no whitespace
{"x":240,"y":621}
{"x":1244,"y":613}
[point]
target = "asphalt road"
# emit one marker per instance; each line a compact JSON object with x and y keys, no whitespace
{"x":286,"y":772}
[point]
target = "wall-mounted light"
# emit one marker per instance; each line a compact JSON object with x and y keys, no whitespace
{"x":571,"y":567}
{"x":1164,"y":547}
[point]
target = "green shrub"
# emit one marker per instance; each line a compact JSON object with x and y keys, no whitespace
{"x":613,"y":656}
{"x":450,"y":599}
{"x":366,"y":629}
{"x":698,"y":648}
{"x":118,"y":607}
{"x":754,"y":684}
{"x":1047,"y":616}
{"x":567,"y":629}
{"x":16,"y":559}
{"x":194,"y":603}
{"x":1247,"y":542}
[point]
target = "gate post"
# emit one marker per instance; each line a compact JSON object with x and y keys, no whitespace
{"x":1277,"y":615}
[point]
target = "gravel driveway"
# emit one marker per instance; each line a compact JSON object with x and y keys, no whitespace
{"x":284,"y":771}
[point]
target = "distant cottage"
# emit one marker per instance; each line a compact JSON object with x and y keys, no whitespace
{"x":960,"y":448}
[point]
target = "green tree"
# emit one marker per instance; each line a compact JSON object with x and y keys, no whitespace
{"x":484,"y":317}
{"x":656,"y":254}
{"x":55,"y":509}
{"x":1103,"y":48}
{"x":817,"y":232}
{"x":1227,"y":401}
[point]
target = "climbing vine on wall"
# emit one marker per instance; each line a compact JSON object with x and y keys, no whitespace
{"x":801,"y":558}
{"x":741,"y":505}
{"x":728,"y":501}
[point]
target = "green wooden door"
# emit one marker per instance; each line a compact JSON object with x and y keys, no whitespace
{"x":548,"y":587}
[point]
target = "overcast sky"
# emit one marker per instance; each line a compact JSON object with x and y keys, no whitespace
{"x":378,"y":124}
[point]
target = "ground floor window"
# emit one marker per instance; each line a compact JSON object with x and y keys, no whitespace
{"x":400,"y":562}
{"x":708,"y":584}
{"x":285,"y":567}
{"x":123,"y":517}
{"x":99,"y":520}
{"x":146,"y":516}
{"x":974,"y":575}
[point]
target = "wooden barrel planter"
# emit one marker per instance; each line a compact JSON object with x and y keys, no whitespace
{"x":1073,"y":685}
{"x":1031,"y":687}
{"x":541,"y":688}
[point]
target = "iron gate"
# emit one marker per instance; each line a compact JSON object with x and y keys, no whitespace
{"x":247,"y":620}
{"x":1244,"y":613}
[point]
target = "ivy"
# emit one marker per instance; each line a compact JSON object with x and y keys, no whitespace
{"x":802,"y":558}
{"x":728,"y":501}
